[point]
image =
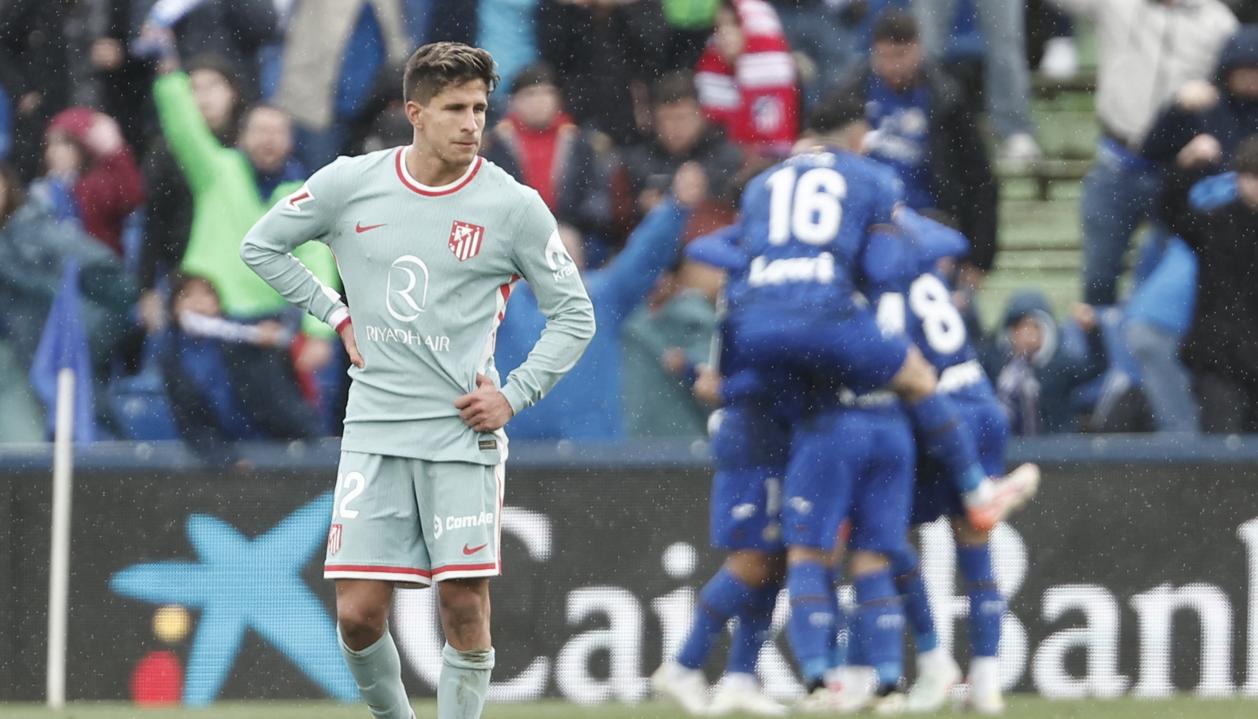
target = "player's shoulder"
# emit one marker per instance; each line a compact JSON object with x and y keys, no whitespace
{"x":351,"y":171}
{"x":514,"y":195}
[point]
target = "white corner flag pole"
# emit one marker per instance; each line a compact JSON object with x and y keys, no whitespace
{"x":59,"y":566}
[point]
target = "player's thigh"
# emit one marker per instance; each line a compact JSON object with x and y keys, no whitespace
{"x":989,"y":424}
{"x":850,"y":348}
{"x":818,"y":490}
{"x":375,"y":532}
{"x":460,"y":505}
{"x":750,"y":452}
{"x":883,"y":490}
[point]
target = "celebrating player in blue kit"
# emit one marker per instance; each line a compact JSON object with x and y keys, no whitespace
{"x":750,"y":447}
{"x":935,"y":326}
{"x":804,"y":224}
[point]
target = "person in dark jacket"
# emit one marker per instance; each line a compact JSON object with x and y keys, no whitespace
{"x":1037,"y":364}
{"x":923,"y":129}
{"x":1200,"y":131}
{"x":681,"y":135}
{"x":1221,"y":348}
{"x":208,"y":411}
{"x":607,"y":53}
{"x":541,"y":146}
{"x":35,"y":247}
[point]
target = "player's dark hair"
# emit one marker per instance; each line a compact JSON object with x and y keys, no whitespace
{"x":674,"y":87}
{"x":539,"y":73}
{"x":835,"y":113}
{"x":1247,"y":156}
{"x":897,"y":27}
{"x":437,"y":65}
{"x":14,"y":191}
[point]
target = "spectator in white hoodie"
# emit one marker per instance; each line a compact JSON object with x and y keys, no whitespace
{"x":1148,"y":50}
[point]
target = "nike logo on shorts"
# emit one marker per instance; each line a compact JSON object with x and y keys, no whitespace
{"x":469,"y":551}
{"x":360,"y":228}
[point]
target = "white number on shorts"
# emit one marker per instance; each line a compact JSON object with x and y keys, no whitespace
{"x":941,"y":322}
{"x":810,"y":210}
{"x":355,"y":482}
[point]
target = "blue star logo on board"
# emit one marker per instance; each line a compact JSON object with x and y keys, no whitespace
{"x":242,"y":584}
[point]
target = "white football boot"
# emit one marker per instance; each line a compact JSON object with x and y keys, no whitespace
{"x":687,"y":687}
{"x":985,"y":696}
{"x":937,"y":674}
{"x":741,"y":694}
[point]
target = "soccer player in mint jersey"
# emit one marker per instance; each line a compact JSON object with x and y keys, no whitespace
{"x":429,"y":239}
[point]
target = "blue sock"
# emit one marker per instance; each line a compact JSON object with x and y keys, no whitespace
{"x":812,"y":618}
{"x":840,"y":637}
{"x":721,"y":598}
{"x":752,"y":630}
{"x":945,"y":438}
{"x":987,"y":607}
{"x":908,"y":582}
{"x":880,"y":616}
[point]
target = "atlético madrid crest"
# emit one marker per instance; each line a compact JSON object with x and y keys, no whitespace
{"x":466,"y":239}
{"x":334,"y":538}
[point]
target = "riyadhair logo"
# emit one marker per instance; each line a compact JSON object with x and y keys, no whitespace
{"x":557,"y":257}
{"x":405,"y":298}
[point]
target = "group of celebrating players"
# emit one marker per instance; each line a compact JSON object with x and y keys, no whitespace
{"x":844,"y":373}
{"x":853,"y":408}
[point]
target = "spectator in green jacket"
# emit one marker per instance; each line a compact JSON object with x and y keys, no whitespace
{"x":232,"y":187}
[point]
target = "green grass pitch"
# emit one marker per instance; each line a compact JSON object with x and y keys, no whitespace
{"x":1019,"y":708}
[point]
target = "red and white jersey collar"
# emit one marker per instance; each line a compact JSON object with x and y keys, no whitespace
{"x":420,"y":188}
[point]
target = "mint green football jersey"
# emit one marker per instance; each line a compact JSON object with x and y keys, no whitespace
{"x":427,"y":273}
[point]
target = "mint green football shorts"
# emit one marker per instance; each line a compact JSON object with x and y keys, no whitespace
{"x":398,"y":519}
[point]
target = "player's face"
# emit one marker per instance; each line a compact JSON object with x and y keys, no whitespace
{"x":897,"y":63}
{"x":214,"y":95}
{"x":267,"y":138}
{"x":450,"y":124}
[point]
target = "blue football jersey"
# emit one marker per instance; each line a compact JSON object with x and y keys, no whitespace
{"x":898,"y":273}
{"x":804,"y":224}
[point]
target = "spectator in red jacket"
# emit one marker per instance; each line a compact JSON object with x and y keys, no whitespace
{"x":746,"y":78}
{"x":542,"y":147}
{"x":91,"y":175}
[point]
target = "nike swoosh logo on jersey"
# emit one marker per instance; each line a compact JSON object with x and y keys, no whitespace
{"x":469,"y":551}
{"x":361,"y":228}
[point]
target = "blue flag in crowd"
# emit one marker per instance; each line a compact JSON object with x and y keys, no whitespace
{"x":64,"y":345}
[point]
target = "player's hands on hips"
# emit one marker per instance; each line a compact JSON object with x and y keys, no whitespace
{"x":346,"y":332}
{"x":484,"y":409}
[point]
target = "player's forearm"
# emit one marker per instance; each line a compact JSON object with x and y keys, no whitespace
{"x":288,"y":276}
{"x":568,"y":332}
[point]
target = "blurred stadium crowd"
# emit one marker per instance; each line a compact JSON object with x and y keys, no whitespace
{"x":129,"y":190}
